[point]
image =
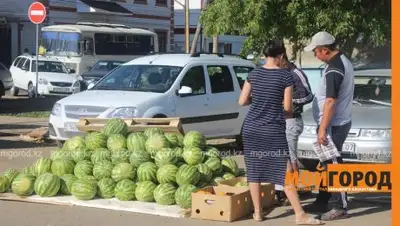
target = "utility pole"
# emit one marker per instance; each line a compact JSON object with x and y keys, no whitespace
{"x":198,"y":29}
{"x":187,"y":26}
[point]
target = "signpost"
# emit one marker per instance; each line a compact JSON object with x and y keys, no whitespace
{"x":37,"y":14}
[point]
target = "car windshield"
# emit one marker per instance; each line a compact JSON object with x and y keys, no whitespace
{"x":373,"y":90}
{"x":106,"y":65}
{"x":146,"y":78}
{"x":49,"y":66}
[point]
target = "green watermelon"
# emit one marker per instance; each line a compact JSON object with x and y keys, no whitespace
{"x":123,"y":171}
{"x":153,"y":131}
{"x":30,"y":169}
{"x":83,"y":189}
{"x":42,"y":165}
{"x":175,"y":139}
{"x":218,"y":179}
{"x":214,"y":164}
{"x":194,"y":139}
{"x":4,"y":184}
{"x":230,"y":165}
{"x":205,"y":174}
{"x":165,"y":157}
{"x":147,"y":172}
{"x":23,"y":184}
{"x":81,"y":153}
{"x":212,"y":152}
{"x":74,"y":143}
{"x":138,"y":157}
{"x":106,"y":188}
{"x":187,"y":174}
{"x":164,"y":194}
{"x":193,"y":155}
{"x":120,"y":156}
{"x":136,"y":141}
{"x":183,"y":195}
{"x":90,"y":178}
{"x":47,"y":185}
{"x":83,"y":168}
{"x":179,"y":152}
{"x":125,"y":190}
{"x":95,"y":140}
{"x":228,"y":176}
{"x":115,"y":126}
{"x":167,"y":174}
{"x":60,"y":153}
{"x":11,"y":173}
{"x":102,"y":169}
{"x":156,"y":142}
{"x":60,"y":167}
{"x":100,"y":154}
{"x":145,"y":191}
{"x":66,"y":181}
{"x":116,"y":142}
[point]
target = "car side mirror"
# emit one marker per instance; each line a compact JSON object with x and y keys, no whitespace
{"x":90,"y":85}
{"x":71,"y":71}
{"x":185,"y":91}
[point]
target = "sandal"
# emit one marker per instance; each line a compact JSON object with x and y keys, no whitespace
{"x":309,"y":221}
{"x":260,"y":218}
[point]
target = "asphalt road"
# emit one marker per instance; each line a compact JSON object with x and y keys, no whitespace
{"x":365,"y":209}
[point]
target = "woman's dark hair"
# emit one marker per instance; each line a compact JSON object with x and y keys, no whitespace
{"x":274,"y":48}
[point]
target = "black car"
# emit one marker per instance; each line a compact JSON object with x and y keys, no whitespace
{"x":99,"y":69}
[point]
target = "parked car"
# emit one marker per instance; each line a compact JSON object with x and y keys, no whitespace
{"x":6,"y":81}
{"x":54,"y":78}
{"x":369,"y":140}
{"x":99,"y":70}
{"x":203,"y":90}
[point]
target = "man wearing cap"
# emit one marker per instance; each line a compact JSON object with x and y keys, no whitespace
{"x":332,"y":113}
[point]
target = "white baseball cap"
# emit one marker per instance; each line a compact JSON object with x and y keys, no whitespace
{"x":320,"y":39}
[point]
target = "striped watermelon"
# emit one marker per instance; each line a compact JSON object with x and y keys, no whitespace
{"x":205,"y":174}
{"x":100,"y":154}
{"x":125,"y":190}
{"x":106,"y":188}
{"x":218,"y":179}
{"x":228,"y":176}
{"x":214,"y":164}
{"x":115,"y":126}
{"x":102,"y":169}
{"x":60,"y":153}
{"x":4,"y":184}
{"x":29,"y":169}
{"x":194,"y":139}
{"x":120,"y":156}
{"x":212,"y":152}
{"x":66,"y":181}
{"x":136,"y":141}
{"x":47,"y":185}
{"x":175,"y":139}
{"x":95,"y":140}
{"x":193,"y":155}
{"x":42,"y":165}
{"x":167,"y":174}
{"x":81,"y":153}
{"x":74,"y":143}
{"x":123,"y":171}
{"x":164,"y":194}
{"x":145,"y":191}
{"x":165,"y":157}
{"x":138,"y":157}
{"x":83,"y":189}
{"x":11,"y":173}
{"x":230,"y":165}
{"x":90,"y":178}
{"x":23,"y":184}
{"x":156,"y":142}
{"x":152,"y":131}
{"x":187,"y":174}
{"x":60,"y":167}
{"x":116,"y":142}
{"x":83,"y":168}
{"x":147,"y":172}
{"x":183,"y":195}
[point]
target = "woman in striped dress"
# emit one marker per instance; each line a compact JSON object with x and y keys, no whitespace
{"x":264,"y":130}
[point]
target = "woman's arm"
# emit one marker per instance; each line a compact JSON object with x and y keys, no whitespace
{"x":287,"y":101}
{"x":245,"y":96}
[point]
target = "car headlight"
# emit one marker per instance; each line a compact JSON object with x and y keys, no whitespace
{"x":376,"y":133}
{"x":56,"y":111}
{"x":43,"y":81}
{"x":124,"y":112}
{"x":310,"y":130}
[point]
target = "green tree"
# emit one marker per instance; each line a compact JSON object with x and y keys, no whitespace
{"x":354,"y":23}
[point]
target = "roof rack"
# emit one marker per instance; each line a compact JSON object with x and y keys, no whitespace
{"x":103,"y":25}
{"x":198,"y":54}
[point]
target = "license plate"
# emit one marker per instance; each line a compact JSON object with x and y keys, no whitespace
{"x":307,"y":154}
{"x":71,"y":127}
{"x":349,"y":147}
{"x":62,"y":90}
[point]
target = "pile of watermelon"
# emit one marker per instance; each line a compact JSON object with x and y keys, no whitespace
{"x":149,"y":166}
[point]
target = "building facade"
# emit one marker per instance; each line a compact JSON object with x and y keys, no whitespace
{"x":17,"y":33}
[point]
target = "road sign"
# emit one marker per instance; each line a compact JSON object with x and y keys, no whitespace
{"x":37,"y":13}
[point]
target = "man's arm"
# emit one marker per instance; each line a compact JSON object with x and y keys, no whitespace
{"x":333,"y":81}
{"x":302,"y":93}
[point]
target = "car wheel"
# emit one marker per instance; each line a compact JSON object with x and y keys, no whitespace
{"x":2,"y":92}
{"x":31,"y":90}
{"x":14,"y":91}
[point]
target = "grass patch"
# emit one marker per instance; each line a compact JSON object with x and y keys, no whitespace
{"x":32,"y":114}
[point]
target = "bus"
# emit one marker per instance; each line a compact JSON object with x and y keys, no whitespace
{"x":79,"y":46}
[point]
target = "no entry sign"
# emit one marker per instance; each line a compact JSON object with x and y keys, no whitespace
{"x":37,"y":13}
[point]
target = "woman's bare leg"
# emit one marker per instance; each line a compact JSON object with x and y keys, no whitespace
{"x":256,"y":197}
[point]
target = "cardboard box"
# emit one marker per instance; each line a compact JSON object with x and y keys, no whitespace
{"x":219,"y":207}
{"x":268,"y":198}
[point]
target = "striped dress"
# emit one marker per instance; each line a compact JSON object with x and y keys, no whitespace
{"x":264,"y":137}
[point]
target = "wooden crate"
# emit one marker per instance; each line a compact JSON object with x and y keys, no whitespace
{"x":168,"y":125}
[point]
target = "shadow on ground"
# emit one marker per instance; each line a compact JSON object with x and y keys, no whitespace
{"x":20,"y":144}
{"x":22,"y":104}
